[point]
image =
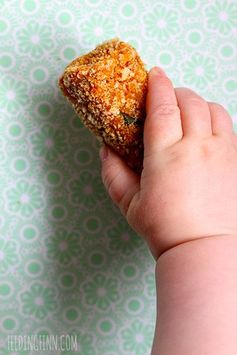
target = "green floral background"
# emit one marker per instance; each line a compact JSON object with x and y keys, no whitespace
{"x":69,"y":263}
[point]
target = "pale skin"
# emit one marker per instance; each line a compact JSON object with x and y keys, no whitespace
{"x":184,"y":205}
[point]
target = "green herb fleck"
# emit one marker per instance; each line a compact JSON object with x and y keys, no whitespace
{"x":128,"y":119}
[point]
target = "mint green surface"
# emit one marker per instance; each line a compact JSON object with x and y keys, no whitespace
{"x":69,"y":263}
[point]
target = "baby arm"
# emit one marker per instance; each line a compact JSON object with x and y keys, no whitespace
{"x":184,"y":205}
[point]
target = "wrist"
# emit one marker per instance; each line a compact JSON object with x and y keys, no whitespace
{"x":197,"y":303}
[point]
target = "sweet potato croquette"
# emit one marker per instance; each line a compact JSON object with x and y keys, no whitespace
{"x":107,"y":88}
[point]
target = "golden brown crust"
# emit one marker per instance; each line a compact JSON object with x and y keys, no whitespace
{"x":107,"y":88}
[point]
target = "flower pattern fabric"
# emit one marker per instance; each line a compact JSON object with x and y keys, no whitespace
{"x":8,"y":255}
{"x":38,"y":301}
{"x":49,"y":143}
{"x":87,"y":189}
{"x":97,"y":28}
{"x":63,"y":246}
{"x":162,"y":23}
{"x":68,"y":260}
{"x":199,"y":71}
{"x":137,"y":338}
{"x":121,"y":240}
{"x":13,"y":94}
{"x":25,"y":199}
{"x":222,"y":16}
{"x":101,"y":291}
{"x":35,"y":39}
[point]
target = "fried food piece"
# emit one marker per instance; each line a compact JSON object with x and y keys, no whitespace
{"x":107,"y":88}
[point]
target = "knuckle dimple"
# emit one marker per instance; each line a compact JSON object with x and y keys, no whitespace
{"x":165,"y":81}
{"x":196,"y":101}
{"x":166,"y":110}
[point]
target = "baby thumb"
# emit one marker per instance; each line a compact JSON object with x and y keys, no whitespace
{"x":120,"y":181}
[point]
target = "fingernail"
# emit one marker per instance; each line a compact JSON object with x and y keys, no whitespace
{"x":157,"y":71}
{"x":104,"y":152}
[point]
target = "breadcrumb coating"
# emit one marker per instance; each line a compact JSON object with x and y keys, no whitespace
{"x":107,"y":88}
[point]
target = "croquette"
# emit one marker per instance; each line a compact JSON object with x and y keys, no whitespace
{"x":107,"y":88}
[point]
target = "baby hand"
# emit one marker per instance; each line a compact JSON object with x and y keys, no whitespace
{"x":188,"y":186}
